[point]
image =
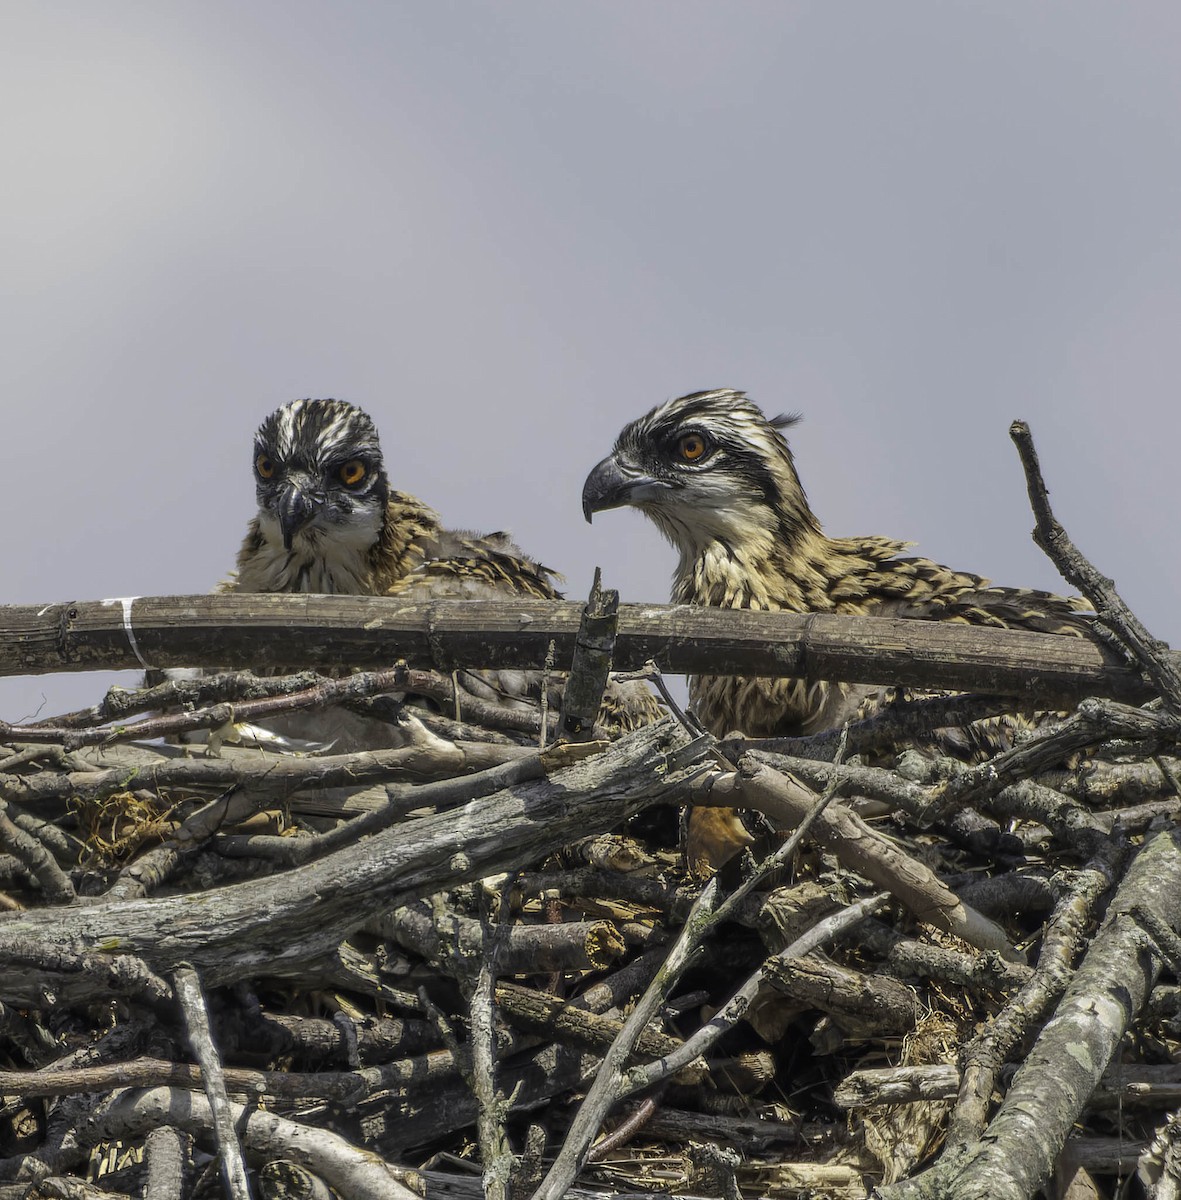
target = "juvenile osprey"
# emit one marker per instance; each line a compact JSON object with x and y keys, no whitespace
{"x":329,"y":522}
{"x":718,"y":478}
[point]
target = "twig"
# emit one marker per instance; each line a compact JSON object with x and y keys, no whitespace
{"x":986,"y":1053}
{"x":36,"y":859}
{"x":1017,"y":1151}
{"x":904,"y":721}
{"x":358,"y":1174}
{"x":322,"y":694}
{"x":736,"y":1007}
{"x":1147,"y":650}
{"x":609,"y":1085}
{"x":591,"y":663}
{"x":195,"y":692}
{"x":859,"y":846}
{"x":1167,"y":943}
{"x":651,"y":673}
{"x":439,"y":795}
{"x":547,"y":670}
{"x":522,"y":949}
{"x":192,"y":1002}
{"x":495,"y":1152}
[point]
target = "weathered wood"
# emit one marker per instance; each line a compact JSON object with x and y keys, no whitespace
{"x":369,"y":631}
{"x":1057,"y":1077}
{"x":583,"y":693}
{"x":280,"y":923}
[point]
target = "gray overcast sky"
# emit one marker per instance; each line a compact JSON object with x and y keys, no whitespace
{"x":505,"y":229}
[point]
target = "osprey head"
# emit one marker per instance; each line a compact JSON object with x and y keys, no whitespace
{"x":707,"y":467}
{"x":318,"y":475}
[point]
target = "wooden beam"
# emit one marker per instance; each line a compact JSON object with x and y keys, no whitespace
{"x":268,"y":631}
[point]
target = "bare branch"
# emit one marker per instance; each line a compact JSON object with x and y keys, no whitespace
{"x":1149,"y":652}
{"x":369,"y":631}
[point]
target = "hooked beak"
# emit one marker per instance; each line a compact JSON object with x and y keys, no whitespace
{"x":612,"y":485}
{"x":294,"y":510}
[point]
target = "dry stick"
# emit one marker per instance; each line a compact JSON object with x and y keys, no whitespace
{"x":902,"y":721}
{"x":864,"y":1005}
{"x":1159,"y":1168}
{"x":591,"y":663}
{"x":986,"y":1054}
{"x":357,"y":1174}
{"x":324,"y":693}
{"x":64,"y":846}
{"x":96,"y":973}
{"x":1149,"y":652}
{"x":550,"y":1016}
{"x":440,"y":794}
{"x":1168,"y":944}
{"x":650,"y":672}
{"x":609,"y":1085}
{"x":736,"y":1007}
{"x":36,"y":859}
{"x":193,"y":693}
{"x":897,"y":1085}
{"x":547,"y":670}
{"x":192,"y":1003}
{"x":68,"y":1187}
{"x":627,"y":1128}
{"x":345,"y":1087}
{"x":495,"y":1152}
{"x":280,"y":923}
{"x":164,"y":1157}
{"x":441,"y":688}
{"x":1017,"y":1152}
{"x":859,"y":847}
{"x":1093,"y":722}
{"x":445,"y":1106}
{"x":279,"y":775}
{"x":521,"y":949}
{"x":369,"y":631}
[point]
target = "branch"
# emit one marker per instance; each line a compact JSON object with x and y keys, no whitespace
{"x":280,"y":923}
{"x":241,"y":629}
{"x":192,"y":1001}
{"x":1149,"y":652}
{"x":583,"y":693}
{"x":358,"y":1174}
{"x":1017,"y":1152}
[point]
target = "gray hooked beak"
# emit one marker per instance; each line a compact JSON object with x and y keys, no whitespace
{"x":294,"y":510}
{"x":610,"y":485}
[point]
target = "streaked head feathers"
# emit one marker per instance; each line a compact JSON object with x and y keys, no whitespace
{"x":706,"y":466}
{"x":318,"y":466}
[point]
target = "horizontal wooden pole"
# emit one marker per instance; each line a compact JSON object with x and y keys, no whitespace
{"x":267,"y":631}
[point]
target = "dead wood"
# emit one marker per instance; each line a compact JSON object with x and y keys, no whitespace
{"x":1066,"y":1063}
{"x":524,"y":949}
{"x":280,"y":923}
{"x":239,"y":630}
{"x":432,"y":952}
{"x":352,"y":1172}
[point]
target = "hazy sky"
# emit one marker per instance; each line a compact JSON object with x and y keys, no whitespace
{"x":504,"y":229}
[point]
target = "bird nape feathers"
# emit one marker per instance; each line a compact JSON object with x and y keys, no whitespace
{"x":717,"y":477}
{"x":329,"y":522}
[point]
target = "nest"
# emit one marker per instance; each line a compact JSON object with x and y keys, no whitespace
{"x":482,"y":959}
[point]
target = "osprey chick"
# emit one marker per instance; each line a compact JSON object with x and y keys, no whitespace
{"x":329,"y":522}
{"x":718,"y":479}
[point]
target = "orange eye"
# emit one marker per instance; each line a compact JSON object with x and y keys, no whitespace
{"x":265,"y":466}
{"x":352,"y":472}
{"x":691,"y":447}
